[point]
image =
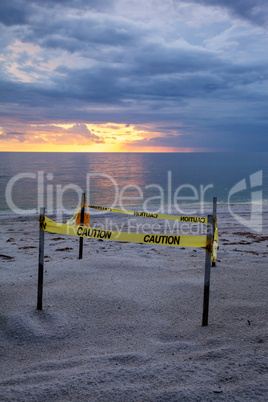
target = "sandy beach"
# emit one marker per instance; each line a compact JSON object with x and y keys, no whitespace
{"x":124,"y":323}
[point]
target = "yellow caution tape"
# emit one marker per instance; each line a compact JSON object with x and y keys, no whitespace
{"x":49,"y":225}
{"x":72,"y":220}
{"x":215,"y":244}
{"x":182,"y":218}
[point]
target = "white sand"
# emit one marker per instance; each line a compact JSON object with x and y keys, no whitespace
{"x":124,"y":323}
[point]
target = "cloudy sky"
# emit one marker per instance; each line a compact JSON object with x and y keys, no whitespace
{"x":143,"y":75}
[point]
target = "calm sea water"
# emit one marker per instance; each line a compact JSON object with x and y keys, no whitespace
{"x":137,"y":180}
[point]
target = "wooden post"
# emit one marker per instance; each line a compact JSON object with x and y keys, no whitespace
{"x":82,"y":223}
{"x":214,"y":216}
{"x":41,"y":260}
{"x":207,"y":270}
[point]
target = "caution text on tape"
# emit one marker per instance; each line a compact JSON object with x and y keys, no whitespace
{"x":49,"y":225}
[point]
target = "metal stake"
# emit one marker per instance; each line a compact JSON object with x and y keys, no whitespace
{"x":207,"y":270}
{"x":41,"y":260}
{"x":81,"y":224}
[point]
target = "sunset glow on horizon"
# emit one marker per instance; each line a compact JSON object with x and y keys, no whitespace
{"x":72,"y":137}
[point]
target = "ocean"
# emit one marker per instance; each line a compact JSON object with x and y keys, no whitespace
{"x":160,"y":182}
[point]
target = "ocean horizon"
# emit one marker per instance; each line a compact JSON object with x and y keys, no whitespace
{"x":148,"y":181}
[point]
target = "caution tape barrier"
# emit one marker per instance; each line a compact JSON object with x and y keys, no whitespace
{"x":71,"y":228}
{"x":49,"y":225}
{"x":180,"y":218}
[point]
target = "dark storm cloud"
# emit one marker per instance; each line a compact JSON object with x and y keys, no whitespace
{"x":196,"y":76}
{"x":229,"y":138}
{"x":156,"y":58}
{"x":84,"y":4}
{"x":255,"y":11}
{"x":21,"y":12}
{"x":97,"y":35}
{"x":14,"y":12}
{"x":80,"y":34}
